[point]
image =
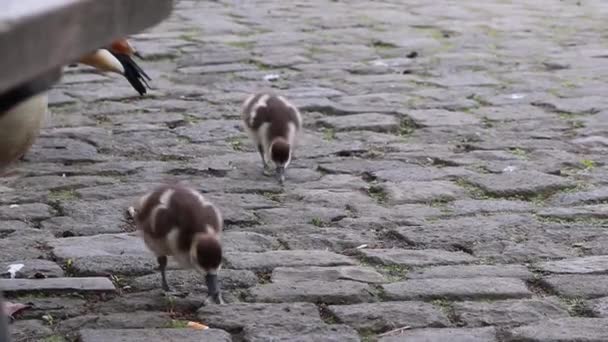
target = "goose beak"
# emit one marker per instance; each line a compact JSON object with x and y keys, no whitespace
{"x":103,"y":60}
{"x":122,"y":46}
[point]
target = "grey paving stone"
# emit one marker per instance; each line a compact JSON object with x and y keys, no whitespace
{"x":335,"y":239}
{"x":415,"y":173}
{"x":154,"y":300}
{"x":60,"y":307}
{"x":579,"y":285}
{"x":598,"y":195}
{"x":481,"y":207}
{"x":385,"y":316}
{"x":509,"y":312}
{"x":234,"y":241}
{"x":300,"y":213}
{"x":486,"y":334}
{"x":600,"y":307}
{"x":154,"y":335}
{"x":524,"y":183}
{"x":440,"y":117}
{"x":35,"y":268}
{"x":90,"y":284}
{"x":130,"y":320}
{"x":192,"y":281}
{"x":272,"y":259}
{"x":26,"y":212}
{"x":369,"y":121}
{"x":359,"y":166}
{"x":410,"y":257}
{"x":331,"y":292}
{"x":106,"y":254}
{"x":590,"y":212}
{"x":457,"y":289}
{"x":472,"y":271}
{"x":61,"y":185}
{"x":563,"y":329}
{"x":513,"y":113}
{"x":307,"y":273}
{"x":232,"y":317}
{"x":450,"y":233}
{"x":300,"y":333}
{"x":421,"y":192}
{"x":582,"y":265}
{"x":22,"y":330}
{"x":416,"y":108}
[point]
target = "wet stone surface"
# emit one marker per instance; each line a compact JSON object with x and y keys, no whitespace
{"x":450,"y":177}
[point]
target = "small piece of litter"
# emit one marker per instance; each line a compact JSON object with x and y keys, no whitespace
{"x":14,"y":206}
{"x":379,"y":63}
{"x":517,"y":96}
{"x":271,"y":77}
{"x":509,"y":168}
{"x":14,"y":268}
{"x":362,"y":246}
{"x":196,"y":325}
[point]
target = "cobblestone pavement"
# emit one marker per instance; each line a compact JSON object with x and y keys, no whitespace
{"x":451,"y":177}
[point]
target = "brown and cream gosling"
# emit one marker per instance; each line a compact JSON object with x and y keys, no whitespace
{"x":273,"y":124}
{"x":176,"y":220}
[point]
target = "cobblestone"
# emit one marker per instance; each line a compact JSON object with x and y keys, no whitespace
{"x":450,"y":177}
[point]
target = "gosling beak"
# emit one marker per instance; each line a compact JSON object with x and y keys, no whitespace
{"x":213,"y":289}
{"x":103,"y":60}
{"x":280,"y":174}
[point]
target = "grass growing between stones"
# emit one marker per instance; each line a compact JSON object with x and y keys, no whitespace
{"x":272,"y":196}
{"x":379,"y":44}
{"x":479,"y":99}
{"x":538,"y":286}
{"x":176,"y":324}
{"x":327,"y":315}
{"x":317,"y":222}
{"x":406,"y":127}
{"x":577,"y":307}
{"x":587,"y":221}
{"x":473,"y":190}
{"x":588,"y":164}
{"x":62,"y":195}
{"x":572,"y":120}
{"x":54,"y":338}
{"x":447,"y":308}
{"x":241,"y":44}
{"x":392,"y":273}
{"x":68,"y":268}
{"x":264,"y":277}
{"x":259,"y":64}
{"x":519,"y":153}
{"x":378,"y":193}
{"x":192,"y":119}
{"x":329,"y":134}
{"x":367,"y":335}
{"x":235,"y":143}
